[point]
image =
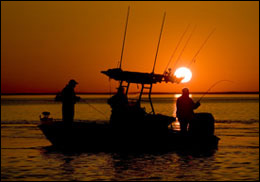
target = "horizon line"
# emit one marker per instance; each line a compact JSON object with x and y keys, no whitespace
{"x":108,"y":93}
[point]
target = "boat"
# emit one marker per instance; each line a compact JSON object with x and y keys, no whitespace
{"x":133,"y":128}
{"x":81,"y":136}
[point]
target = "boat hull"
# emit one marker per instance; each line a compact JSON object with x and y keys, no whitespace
{"x":104,"y":137}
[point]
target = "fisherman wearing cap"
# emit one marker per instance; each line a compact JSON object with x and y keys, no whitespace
{"x":68,"y":98}
{"x":185,"y":107}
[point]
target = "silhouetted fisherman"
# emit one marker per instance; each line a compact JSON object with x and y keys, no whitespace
{"x":185,"y":107}
{"x":68,"y":98}
{"x":119,"y":105}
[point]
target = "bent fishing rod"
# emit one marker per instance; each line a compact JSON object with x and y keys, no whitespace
{"x":212,"y":87}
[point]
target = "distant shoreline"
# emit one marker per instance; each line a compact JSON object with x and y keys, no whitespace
{"x":108,"y":93}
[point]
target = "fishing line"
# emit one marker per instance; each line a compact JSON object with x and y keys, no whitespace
{"x":194,"y":58}
{"x":176,"y":47}
{"x":96,"y":109}
{"x":184,"y":47}
{"x":212,"y":87}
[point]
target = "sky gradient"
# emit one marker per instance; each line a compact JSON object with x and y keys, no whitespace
{"x":45,"y":44}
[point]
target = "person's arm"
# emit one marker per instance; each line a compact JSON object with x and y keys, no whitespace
{"x":196,"y":105}
{"x":58,"y":97}
{"x":74,"y":97}
{"x":110,"y":101}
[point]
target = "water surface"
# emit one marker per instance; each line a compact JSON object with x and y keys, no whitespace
{"x":26,"y":155}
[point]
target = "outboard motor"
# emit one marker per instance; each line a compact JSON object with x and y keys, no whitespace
{"x":45,"y":119}
{"x":202,"y":125}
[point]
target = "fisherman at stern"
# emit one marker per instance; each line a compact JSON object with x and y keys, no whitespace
{"x":69,"y":98}
{"x":185,"y":107}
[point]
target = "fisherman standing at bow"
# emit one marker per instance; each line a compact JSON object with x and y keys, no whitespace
{"x":185,"y":107}
{"x":69,"y":98}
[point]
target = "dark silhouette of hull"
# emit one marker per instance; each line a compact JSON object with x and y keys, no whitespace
{"x":106,"y":137}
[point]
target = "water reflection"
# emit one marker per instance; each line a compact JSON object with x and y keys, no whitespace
{"x":65,"y":167}
{"x":131,"y":166}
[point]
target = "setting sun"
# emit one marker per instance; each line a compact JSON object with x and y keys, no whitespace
{"x":177,"y":81}
{"x":183,"y":72}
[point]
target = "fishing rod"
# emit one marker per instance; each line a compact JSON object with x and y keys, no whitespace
{"x":203,"y":44}
{"x":212,"y":87}
{"x":124,"y":37}
{"x":159,"y":41}
{"x":184,"y":47}
{"x":176,"y":47}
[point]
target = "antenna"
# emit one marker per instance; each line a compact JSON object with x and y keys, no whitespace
{"x":159,"y":42}
{"x":124,"y":37}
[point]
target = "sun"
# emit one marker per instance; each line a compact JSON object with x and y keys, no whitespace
{"x":183,"y":72}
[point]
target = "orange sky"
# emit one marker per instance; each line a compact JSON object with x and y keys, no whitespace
{"x":44,"y":44}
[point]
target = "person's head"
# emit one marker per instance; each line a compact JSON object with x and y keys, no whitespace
{"x":72,"y":83}
{"x":185,"y":92}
